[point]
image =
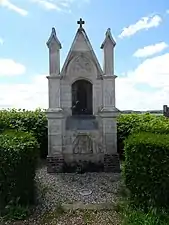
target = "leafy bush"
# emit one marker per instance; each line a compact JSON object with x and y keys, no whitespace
{"x":146,"y":168}
{"x":36,"y":122}
{"x":18,"y":159}
{"x":158,"y":125}
{"x":135,"y":216}
{"x":128,"y":123}
{"x":31,"y":121}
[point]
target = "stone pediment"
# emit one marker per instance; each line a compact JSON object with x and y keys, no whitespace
{"x":81,"y":57}
{"x":81,"y":65}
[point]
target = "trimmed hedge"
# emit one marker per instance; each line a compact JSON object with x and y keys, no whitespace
{"x":157,"y":125}
{"x":30,"y":121}
{"x":18,"y":160}
{"x":146,"y":168}
{"x":36,"y":122}
{"x":129,"y":123}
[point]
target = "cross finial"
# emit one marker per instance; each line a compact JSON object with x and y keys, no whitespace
{"x":80,"y":22}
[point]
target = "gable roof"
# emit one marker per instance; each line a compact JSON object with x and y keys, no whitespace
{"x":83,"y":34}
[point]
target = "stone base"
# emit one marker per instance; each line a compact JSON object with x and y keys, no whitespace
{"x":111,"y":163}
{"x":55,"y":164}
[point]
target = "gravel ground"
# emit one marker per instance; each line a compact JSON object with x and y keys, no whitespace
{"x":66,"y":188}
{"x":55,"y":189}
{"x":85,"y":218}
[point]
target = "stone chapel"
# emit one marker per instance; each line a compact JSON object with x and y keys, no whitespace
{"x":82,"y":127}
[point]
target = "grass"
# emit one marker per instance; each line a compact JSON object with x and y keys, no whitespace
{"x":138,"y":217}
{"x":132,"y":215}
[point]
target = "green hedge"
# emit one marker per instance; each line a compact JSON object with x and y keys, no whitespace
{"x":128,"y":123}
{"x":36,"y":122}
{"x":18,"y":159}
{"x":146,"y":168}
{"x":30,"y":121}
{"x":158,"y":125}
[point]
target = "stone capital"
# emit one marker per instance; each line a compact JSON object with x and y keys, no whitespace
{"x":54,"y":76}
{"x":56,"y":113}
{"x":109,"y":76}
{"x":109,"y":112}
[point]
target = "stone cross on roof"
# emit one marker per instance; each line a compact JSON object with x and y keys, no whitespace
{"x":80,"y":22}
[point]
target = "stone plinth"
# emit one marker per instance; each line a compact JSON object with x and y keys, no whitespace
{"x":111,"y":163}
{"x":55,"y":164}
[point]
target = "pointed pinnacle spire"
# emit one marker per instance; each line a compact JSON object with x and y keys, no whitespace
{"x":108,"y":38}
{"x":53,"y":37}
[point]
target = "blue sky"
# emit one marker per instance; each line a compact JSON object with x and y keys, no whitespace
{"x":140,"y":29}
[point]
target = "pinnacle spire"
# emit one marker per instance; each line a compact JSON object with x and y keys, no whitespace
{"x":53,"y":37}
{"x":108,"y":37}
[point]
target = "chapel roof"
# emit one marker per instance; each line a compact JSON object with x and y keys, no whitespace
{"x":82,"y":41}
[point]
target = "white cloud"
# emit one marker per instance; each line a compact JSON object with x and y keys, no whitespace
{"x":47,"y":4}
{"x":150,"y":50}
{"x":59,"y":5}
{"x":153,"y":72}
{"x":25,"y":96}
{"x":9,"y":5}
{"x":1,"y":41}
{"x":144,"y":23}
{"x":8,"y":67}
{"x":167,"y":11}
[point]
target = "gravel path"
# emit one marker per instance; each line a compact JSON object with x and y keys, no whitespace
{"x":66,"y":188}
{"x":55,"y":189}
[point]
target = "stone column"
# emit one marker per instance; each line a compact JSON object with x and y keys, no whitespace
{"x":109,"y":126}
{"x":54,"y":91}
{"x":109,"y":115}
{"x":55,"y":140}
{"x":109,"y":92}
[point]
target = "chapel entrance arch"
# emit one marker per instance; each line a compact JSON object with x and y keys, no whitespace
{"x":82,"y":98}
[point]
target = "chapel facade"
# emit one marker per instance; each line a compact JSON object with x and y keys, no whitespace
{"x":82,"y":127}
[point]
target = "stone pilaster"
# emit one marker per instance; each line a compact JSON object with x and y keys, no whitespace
{"x":54,"y":91}
{"x":109,"y":93}
{"x":55,"y":139}
{"x":109,"y":130}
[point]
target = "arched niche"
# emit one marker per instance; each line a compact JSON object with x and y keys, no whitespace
{"x":82,"y":97}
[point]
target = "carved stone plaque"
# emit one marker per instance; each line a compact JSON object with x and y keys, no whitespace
{"x":82,"y":144}
{"x":80,"y":65}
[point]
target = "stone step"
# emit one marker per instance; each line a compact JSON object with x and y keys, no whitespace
{"x":91,"y":206}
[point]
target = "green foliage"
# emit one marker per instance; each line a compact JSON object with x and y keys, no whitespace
{"x":36,"y":122}
{"x":146,"y":168}
{"x":158,"y":125}
{"x":16,"y":212}
{"x":136,"y":216}
{"x":127,"y":123}
{"x":30,"y":121}
{"x":18,"y":160}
